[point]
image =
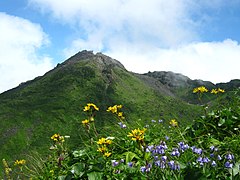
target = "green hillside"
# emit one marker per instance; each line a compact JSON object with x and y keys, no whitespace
{"x":53,"y":103}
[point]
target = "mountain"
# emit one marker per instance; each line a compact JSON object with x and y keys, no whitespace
{"x":181,"y":86}
{"x":53,"y":103}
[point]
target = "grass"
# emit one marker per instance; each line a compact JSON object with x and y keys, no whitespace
{"x":142,"y":149}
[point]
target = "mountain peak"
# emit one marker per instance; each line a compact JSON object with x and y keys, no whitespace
{"x":99,"y":58}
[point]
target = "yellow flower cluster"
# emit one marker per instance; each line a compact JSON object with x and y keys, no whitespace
{"x":173,"y":123}
{"x":57,"y":138}
{"x":137,"y":134}
{"x":20,"y":162}
{"x":218,"y":90}
{"x":103,"y":146}
{"x":200,"y":89}
{"x":115,"y":110}
{"x":90,"y":106}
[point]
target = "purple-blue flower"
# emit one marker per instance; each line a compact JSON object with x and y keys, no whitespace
{"x":143,"y":169}
{"x":153,"y":120}
{"x":183,"y":146}
{"x":150,"y":148}
{"x":196,"y":150}
{"x":130,"y":164}
{"x":167,"y":138}
{"x":175,"y":152}
{"x":214,"y":164}
{"x":206,"y":160}
{"x":229,"y":156}
{"x":228,"y":165}
{"x":122,"y":125}
{"x":160,"y":164}
{"x":173,"y":166}
{"x":219,"y":157}
{"x":212,"y":148}
{"x":114,"y":163}
{"x":164,"y":158}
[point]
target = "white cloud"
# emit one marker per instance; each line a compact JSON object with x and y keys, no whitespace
{"x":19,"y":61}
{"x":149,"y":35}
{"x":214,"y":61}
{"x":158,"y":22}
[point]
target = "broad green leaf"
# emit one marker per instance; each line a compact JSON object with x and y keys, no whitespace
{"x":130,"y":155}
{"x":95,"y":176}
{"x":78,"y":169}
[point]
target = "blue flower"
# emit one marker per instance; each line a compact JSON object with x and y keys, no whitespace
{"x":146,"y":168}
{"x":122,"y":125}
{"x":114,"y":163}
{"x":160,"y":121}
{"x":183,"y":146}
{"x":175,"y":152}
{"x":160,"y":164}
{"x":214,"y":164}
{"x":153,"y":120}
{"x":212,"y":148}
{"x":167,"y":138}
{"x":150,"y":148}
{"x":173,"y":166}
{"x":206,"y":160}
{"x":130,"y":164}
{"x":219,"y":157}
{"x":196,"y":150}
{"x":143,"y":169}
{"x":229,"y":156}
{"x":228,"y":165}
{"x":164,"y":158}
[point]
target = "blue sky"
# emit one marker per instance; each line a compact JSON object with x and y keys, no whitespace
{"x":199,"y":39}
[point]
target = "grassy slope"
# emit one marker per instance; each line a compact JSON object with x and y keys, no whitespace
{"x":53,"y":104}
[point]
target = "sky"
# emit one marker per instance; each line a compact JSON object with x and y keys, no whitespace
{"x":197,"y":38}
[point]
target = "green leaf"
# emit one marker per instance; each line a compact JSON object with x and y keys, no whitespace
{"x":221,"y":122}
{"x":130,"y":155}
{"x":95,"y":176}
{"x":235,"y":170}
{"x":214,"y":141}
{"x":78,"y":169}
{"x":79,"y":153}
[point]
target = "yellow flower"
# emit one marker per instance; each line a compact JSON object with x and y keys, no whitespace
{"x":119,"y":106}
{"x":200,"y":89}
{"x":173,"y":123}
{"x":85,"y":122}
{"x":57,"y":138}
{"x":113,"y":109}
{"x":216,"y":91}
{"x":89,"y":106}
{"x":120,"y":114}
{"x":20,"y":162}
{"x":107,"y":154}
{"x":101,"y":141}
{"x":108,"y":142}
{"x":104,"y":141}
{"x":221,"y":90}
{"x":137,"y":134}
{"x":102,"y":149}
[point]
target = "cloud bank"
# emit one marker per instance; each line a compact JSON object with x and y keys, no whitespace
{"x":150,"y":35}
{"x":20,"y":39}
